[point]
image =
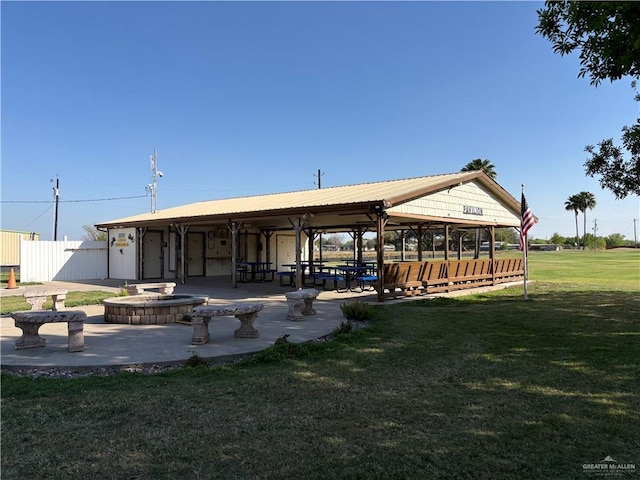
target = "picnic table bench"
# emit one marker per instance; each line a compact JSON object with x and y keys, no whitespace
{"x":266,"y":274}
{"x":367,"y":279}
{"x":140,"y":288}
{"x":245,"y":312}
{"x":255,"y":272}
{"x":30,"y":321}
{"x":325,"y":276}
{"x":36,"y":298}
{"x":290,"y":275}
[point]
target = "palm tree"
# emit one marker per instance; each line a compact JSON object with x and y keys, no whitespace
{"x":572,"y":203}
{"x":487,"y":167}
{"x":478,"y":164}
{"x":586,"y":200}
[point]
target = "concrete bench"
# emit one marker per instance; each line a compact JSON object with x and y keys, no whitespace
{"x":245,"y":312}
{"x":301,"y":303}
{"x":140,"y":288}
{"x":30,"y":321}
{"x":36,"y":298}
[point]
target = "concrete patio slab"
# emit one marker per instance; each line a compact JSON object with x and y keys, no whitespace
{"x":122,"y":345}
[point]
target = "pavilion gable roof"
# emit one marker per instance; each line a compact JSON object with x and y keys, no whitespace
{"x":389,"y":193}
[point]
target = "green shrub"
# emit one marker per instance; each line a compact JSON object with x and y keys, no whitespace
{"x":342,"y":328}
{"x":195,"y":361}
{"x":357,"y":310}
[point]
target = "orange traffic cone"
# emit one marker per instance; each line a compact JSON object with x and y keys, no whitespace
{"x":12,"y":280}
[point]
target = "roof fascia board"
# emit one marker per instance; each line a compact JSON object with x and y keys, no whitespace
{"x":351,"y":209}
{"x":436,"y":187}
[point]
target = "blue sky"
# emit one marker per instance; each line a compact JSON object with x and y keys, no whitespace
{"x":248,"y":98}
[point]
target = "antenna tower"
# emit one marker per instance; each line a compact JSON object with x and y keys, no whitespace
{"x":152,"y":188}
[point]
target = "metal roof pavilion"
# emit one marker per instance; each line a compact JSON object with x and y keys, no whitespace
{"x":344,"y":207}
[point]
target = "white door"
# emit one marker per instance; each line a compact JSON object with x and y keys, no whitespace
{"x":195,"y":254}
{"x":285,"y":250}
{"x":152,"y":255}
{"x":252,"y":247}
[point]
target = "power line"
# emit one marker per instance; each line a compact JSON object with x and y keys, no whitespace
{"x":32,"y":221}
{"x":74,"y":201}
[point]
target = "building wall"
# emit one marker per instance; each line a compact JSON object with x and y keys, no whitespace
{"x":123,"y":258}
{"x":10,"y":246}
{"x":124,"y":262}
{"x":470,"y":201}
{"x":218,"y":251}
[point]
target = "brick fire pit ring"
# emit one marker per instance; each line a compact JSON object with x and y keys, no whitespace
{"x":150,"y":309}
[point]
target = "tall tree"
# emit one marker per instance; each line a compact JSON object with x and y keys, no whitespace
{"x":620,"y":176}
{"x":478,"y":164}
{"x":586,"y":201}
{"x":487,"y":167}
{"x":607,"y":35}
{"x":572,"y":203}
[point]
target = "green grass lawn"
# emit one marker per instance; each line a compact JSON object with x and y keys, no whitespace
{"x":480,"y":387}
{"x":608,"y":268}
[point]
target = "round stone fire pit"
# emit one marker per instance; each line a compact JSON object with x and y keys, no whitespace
{"x":152,"y":309}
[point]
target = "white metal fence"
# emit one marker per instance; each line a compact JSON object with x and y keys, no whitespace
{"x":44,"y":261}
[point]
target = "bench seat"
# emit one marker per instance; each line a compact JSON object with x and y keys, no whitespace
{"x":36,"y":298}
{"x":245,"y":312}
{"x":404,"y":279}
{"x":366,"y":279}
{"x":324,"y":277}
{"x":30,"y":321}
{"x":282,"y":275}
{"x":301,"y":303}
{"x":267,"y":274}
{"x":139,"y":288}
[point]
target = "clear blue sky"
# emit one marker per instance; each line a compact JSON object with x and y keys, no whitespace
{"x":252,"y":98}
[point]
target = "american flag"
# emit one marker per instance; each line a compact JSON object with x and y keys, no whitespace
{"x":526,"y":221}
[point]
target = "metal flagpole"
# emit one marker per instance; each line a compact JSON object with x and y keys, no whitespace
{"x":523,"y":240}
{"x":526,"y":269}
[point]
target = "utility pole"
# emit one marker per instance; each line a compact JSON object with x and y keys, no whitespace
{"x":595,"y":233}
{"x":56,"y":197}
{"x":635,"y":236}
{"x":320,"y":174}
